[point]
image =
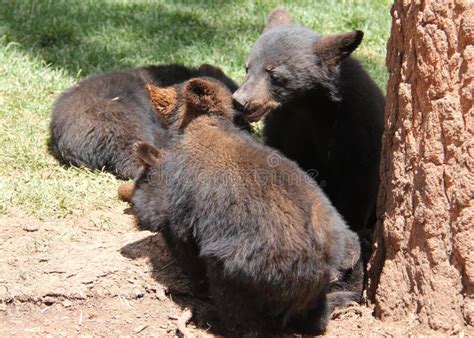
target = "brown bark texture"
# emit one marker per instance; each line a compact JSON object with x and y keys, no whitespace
{"x":423,"y":261}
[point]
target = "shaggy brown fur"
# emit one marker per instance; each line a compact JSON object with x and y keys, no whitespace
{"x":256,"y":233}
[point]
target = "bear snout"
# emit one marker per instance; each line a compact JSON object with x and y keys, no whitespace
{"x":240,"y":100}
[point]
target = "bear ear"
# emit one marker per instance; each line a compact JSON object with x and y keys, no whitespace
{"x":146,"y":153}
{"x":277,"y":17}
{"x":333,"y":48}
{"x":204,"y":96}
{"x":200,"y":96}
{"x":200,"y":93}
{"x":210,"y":70}
{"x":163,"y":100}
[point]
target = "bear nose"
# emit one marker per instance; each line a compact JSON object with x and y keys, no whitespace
{"x":239,"y":101}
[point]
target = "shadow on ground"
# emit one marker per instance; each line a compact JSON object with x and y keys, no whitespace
{"x":168,"y":273}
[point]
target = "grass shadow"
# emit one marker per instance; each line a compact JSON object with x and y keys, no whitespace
{"x":92,"y":36}
{"x":84,"y":37}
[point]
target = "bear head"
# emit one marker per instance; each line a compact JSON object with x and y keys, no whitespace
{"x":179,"y":105}
{"x":289,"y":61}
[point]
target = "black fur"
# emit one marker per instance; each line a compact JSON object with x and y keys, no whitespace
{"x":95,"y":123}
{"x":322,"y":110}
{"x":248,"y":226}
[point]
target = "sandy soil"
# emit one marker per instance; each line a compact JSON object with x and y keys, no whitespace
{"x":77,"y":276}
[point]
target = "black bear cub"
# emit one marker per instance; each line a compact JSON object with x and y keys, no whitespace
{"x":95,"y":123}
{"x":247,"y":225}
{"x":321,"y":109}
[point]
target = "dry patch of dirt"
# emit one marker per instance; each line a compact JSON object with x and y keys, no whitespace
{"x":84,"y":276}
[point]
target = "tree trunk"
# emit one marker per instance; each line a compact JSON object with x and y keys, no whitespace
{"x":423,"y":260}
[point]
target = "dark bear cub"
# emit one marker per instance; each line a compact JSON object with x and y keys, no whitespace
{"x":95,"y":123}
{"x":321,"y":109}
{"x":247,"y":225}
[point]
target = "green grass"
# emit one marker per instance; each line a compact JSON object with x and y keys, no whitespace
{"x":47,"y":45}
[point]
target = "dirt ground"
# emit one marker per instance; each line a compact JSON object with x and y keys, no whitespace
{"x":78,"y":277}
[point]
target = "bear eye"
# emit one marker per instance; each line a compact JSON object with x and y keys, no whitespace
{"x":272,"y":73}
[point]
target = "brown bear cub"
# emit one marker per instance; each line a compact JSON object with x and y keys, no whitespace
{"x":320,"y":109}
{"x":95,"y":123}
{"x":247,"y":225}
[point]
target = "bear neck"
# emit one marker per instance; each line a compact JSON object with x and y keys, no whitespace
{"x":310,"y":125}
{"x":317,"y":106}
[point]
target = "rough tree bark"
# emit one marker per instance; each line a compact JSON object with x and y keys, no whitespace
{"x":423,"y":263}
